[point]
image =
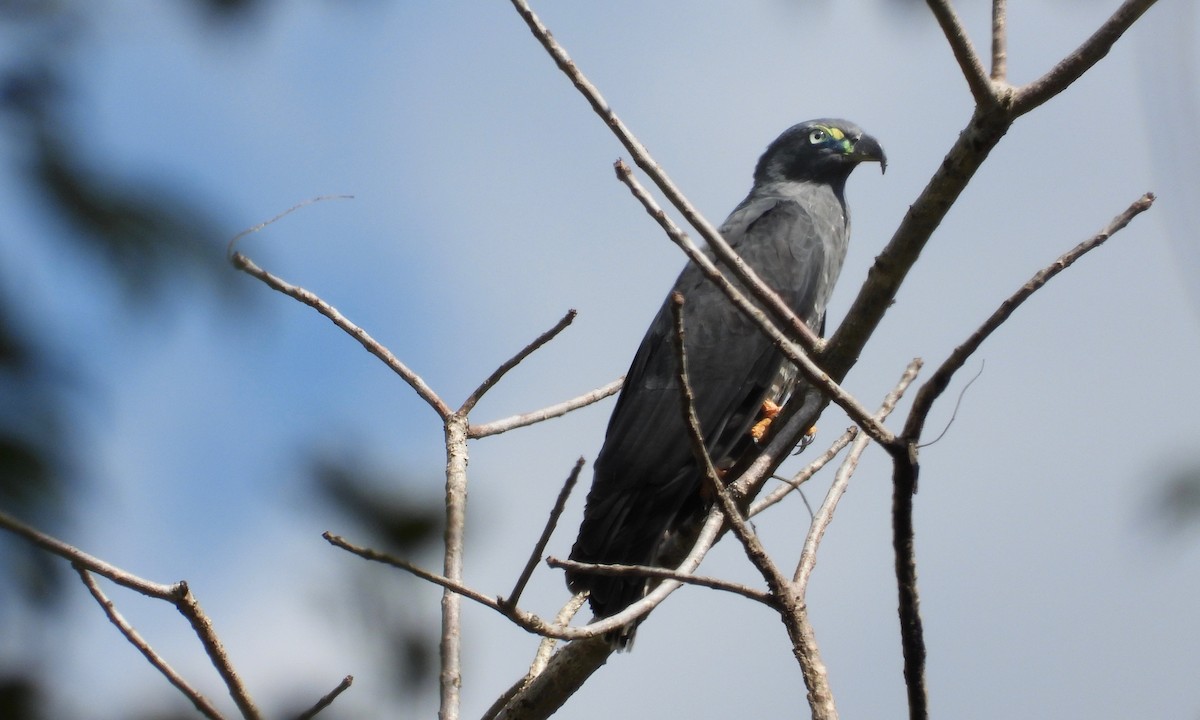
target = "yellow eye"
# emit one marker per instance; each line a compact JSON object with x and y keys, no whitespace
{"x":816,"y":136}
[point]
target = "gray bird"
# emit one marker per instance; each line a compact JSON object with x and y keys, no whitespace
{"x":647,"y":490}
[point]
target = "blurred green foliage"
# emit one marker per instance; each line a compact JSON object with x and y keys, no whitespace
{"x":148,"y":242}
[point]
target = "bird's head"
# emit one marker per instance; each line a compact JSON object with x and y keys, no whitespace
{"x":823,"y":151}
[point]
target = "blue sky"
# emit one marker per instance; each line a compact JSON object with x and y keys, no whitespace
{"x":485,"y":207}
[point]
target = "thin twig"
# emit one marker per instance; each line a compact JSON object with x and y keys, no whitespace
{"x":373,"y":346}
{"x":983,"y":132}
{"x":298,"y":206}
{"x":750,"y":542}
{"x":652,"y":571}
{"x":1000,"y":41}
{"x":957,"y":406}
{"x":809,"y":339}
{"x":540,"y":546}
{"x":327,"y":699}
{"x":804,"y":475}
{"x":546,"y":647}
{"x":841,"y":479}
{"x":178,"y":594}
{"x":78,"y":557}
{"x":517,"y":421}
{"x":573,"y":664}
{"x":794,"y":352}
{"x":1073,"y":66}
{"x":964,"y":52}
{"x":512,"y":362}
{"x":906,"y":468}
{"x":788,"y":603}
{"x":824,"y":515}
{"x":439,"y":580}
{"x":198,"y":700}
{"x":526,"y":620}
{"x":940,"y":380}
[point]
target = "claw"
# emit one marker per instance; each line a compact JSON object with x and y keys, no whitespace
{"x":806,"y":440}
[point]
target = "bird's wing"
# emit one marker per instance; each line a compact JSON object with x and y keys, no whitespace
{"x":645,"y":472}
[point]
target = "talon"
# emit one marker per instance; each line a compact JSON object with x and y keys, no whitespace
{"x":807,"y":440}
{"x":769,"y":410}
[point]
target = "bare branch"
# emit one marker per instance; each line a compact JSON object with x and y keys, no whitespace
{"x":541,"y":659}
{"x":1000,"y":41}
{"x":954,"y":413}
{"x":229,"y":249}
{"x":1073,"y":66}
{"x":327,"y":699}
{"x":440,"y":580}
{"x":808,"y":339}
{"x":796,"y":354}
{"x":940,"y":380}
{"x":190,"y":608}
{"x":895,"y":261}
{"x":571,"y":666}
{"x":450,"y":678}
{"x":906,"y":468}
{"x":494,"y":378}
{"x":177,"y":594}
{"x":517,"y":421}
{"x":791,"y":607}
{"x":79,"y":558}
{"x":546,"y":647}
{"x":987,"y":126}
{"x":912,"y":631}
{"x":804,"y":475}
{"x":753,"y":546}
{"x":663,"y":574}
{"x":201,"y":703}
{"x":964,"y":52}
{"x":526,"y":620}
{"x":515,"y":596}
{"x":566,"y":672}
{"x":760,"y":290}
{"x":243,"y":263}
{"x":824,"y":515}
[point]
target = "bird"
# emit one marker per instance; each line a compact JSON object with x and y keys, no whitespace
{"x":647,"y":488}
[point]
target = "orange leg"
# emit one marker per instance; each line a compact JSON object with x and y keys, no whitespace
{"x":769,"y":411}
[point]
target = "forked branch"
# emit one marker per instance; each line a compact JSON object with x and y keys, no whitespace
{"x":373,"y":346}
{"x":906,"y":467}
{"x":178,"y":594}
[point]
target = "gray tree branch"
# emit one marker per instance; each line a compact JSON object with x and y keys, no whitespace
{"x":178,"y":594}
{"x":964,"y":52}
{"x":426,"y":393}
{"x":757,"y":288}
{"x":517,"y":421}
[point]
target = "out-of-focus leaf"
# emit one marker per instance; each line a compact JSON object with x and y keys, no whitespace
{"x":395,"y":522}
{"x":1178,"y":502}
{"x":415,"y":649}
{"x":398,"y":523}
{"x":145,"y":234}
{"x":19,"y":698}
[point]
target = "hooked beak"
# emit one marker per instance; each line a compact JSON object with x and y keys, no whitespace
{"x":867,"y":149}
